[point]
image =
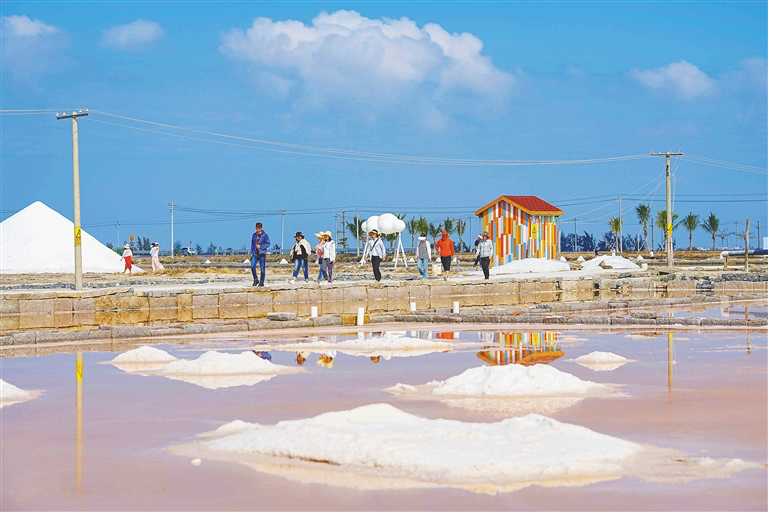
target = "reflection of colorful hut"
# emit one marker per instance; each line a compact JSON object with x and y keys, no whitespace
{"x":526,"y":348}
{"x":521,"y":227}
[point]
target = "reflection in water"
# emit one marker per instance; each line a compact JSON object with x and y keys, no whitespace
{"x":526,"y":348}
{"x":79,"y":418}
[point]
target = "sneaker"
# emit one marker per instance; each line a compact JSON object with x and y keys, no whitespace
{"x":255,"y":283}
{"x":261,"y":285}
{"x":292,"y":281}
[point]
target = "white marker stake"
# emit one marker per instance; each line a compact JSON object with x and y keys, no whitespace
{"x":360,"y":316}
{"x":456,"y":307}
{"x":413,"y":306}
{"x":313,"y":311}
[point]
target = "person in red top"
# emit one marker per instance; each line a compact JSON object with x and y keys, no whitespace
{"x":444,"y":247}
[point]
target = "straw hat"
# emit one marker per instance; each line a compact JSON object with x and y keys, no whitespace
{"x":328,"y":234}
{"x":126,"y":246}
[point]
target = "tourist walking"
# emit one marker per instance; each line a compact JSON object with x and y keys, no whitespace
{"x":127,"y":255}
{"x":329,"y":256}
{"x":259,"y":247}
{"x":299,"y":255}
{"x":376,"y":251}
{"x":477,"y":258}
{"x":319,"y":252}
{"x":484,"y":253}
{"x":154,"y":255}
{"x":444,"y":247}
{"x":423,"y":255}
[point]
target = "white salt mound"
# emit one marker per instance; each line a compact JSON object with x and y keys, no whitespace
{"x":10,"y":393}
{"x":382,"y":439}
{"x":615,"y":262}
{"x":640,"y":257}
{"x":580,"y":259}
{"x":411,"y":260}
{"x":530,"y":265}
{"x":219,"y":363}
{"x":27,"y":239}
{"x":515,"y":380}
{"x":283,"y":261}
{"x":601,"y":357}
{"x":143,"y":355}
{"x":562,"y":258}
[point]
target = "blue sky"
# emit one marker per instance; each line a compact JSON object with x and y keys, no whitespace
{"x":464,"y":81}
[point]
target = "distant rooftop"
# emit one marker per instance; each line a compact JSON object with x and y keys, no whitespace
{"x":531,"y":204}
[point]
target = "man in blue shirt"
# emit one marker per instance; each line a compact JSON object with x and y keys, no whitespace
{"x":259,"y":246}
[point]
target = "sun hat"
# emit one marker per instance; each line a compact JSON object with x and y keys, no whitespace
{"x":484,"y":233}
{"x":328,"y":233}
{"x":319,"y":234}
{"x":422,"y":237}
{"x":298,"y":233}
{"x":374,"y":231}
{"x":126,"y":246}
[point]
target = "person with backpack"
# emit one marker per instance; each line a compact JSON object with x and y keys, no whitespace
{"x":375,"y":250}
{"x":299,"y":256}
{"x":484,"y":253}
{"x":423,"y":255}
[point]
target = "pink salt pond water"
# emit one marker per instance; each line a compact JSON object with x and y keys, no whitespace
{"x":711,"y":404}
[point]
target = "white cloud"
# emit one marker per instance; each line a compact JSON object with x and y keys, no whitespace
{"x":682,"y":78}
{"x":31,"y":48}
{"x":344,"y":54}
{"x":23,"y":26}
{"x":751,"y":74}
{"x":132,"y":35}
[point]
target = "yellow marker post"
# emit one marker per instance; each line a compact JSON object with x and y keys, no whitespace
{"x":78,"y":237}
{"x":670,"y":359}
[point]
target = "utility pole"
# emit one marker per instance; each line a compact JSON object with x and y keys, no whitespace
{"x":575,"y":237}
{"x":343,"y":227}
{"x":117,"y":225}
{"x":336,"y":226}
{"x":76,"y":181}
{"x":173,"y":208}
{"x":759,"y":240}
{"x":746,"y":247}
{"x":669,"y":248}
{"x":653,"y":221}
{"x":282,"y":230}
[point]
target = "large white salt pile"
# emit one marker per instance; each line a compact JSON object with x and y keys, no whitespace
{"x":142,"y":359}
{"x":602,"y":361}
{"x":516,"y":380}
{"x":40,"y":240}
{"x":615,"y":262}
{"x":380,"y":447}
{"x":530,"y":265}
{"x":580,"y":259}
{"x":10,"y":394}
{"x":222,"y":363}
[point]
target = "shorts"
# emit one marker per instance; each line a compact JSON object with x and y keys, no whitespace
{"x":446,"y":261}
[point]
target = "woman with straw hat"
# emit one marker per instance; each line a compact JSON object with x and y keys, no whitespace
{"x":329,"y":256}
{"x":319,"y":252}
{"x":127,"y":255}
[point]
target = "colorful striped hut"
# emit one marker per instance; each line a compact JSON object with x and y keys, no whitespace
{"x":521,"y":227}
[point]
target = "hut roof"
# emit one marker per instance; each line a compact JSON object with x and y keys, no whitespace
{"x":530,"y":204}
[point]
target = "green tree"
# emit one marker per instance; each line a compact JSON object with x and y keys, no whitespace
{"x":690,"y":223}
{"x":661,"y":222}
{"x":422,"y":226}
{"x":412,"y":227}
{"x":644,"y":215}
{"x":615,"y":223}
{"x":449,"y":225}
{"x":712,"y":225}
{"x":434,"y":231}
{"x":461,"y":226}
{"x":355,"y":228}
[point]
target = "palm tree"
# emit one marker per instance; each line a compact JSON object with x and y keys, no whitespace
{"x":712,"y":225}
{"x":413,"y":227}
{"x":690,"y":223}
{"x":449,"y":225}
{"x":355,"y":228}
{"x":661,"y":222}
{"x":434,"y":231}
{"x":615,"y":224}
{"x":461,"y":225}
{"x":422,"y":226}
{"x":643,"y":215}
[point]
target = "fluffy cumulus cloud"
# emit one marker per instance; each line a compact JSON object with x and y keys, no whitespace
{"x":682,"y":78}
{"x":136,"y":34}
{"x":346,"y":55}
{"x":31,"y":47}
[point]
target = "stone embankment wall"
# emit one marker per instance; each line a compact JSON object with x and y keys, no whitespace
{"x":128,"y":312}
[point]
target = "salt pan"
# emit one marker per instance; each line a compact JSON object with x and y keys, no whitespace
{"x":602,"y":361}
{"x":10,"y":394}
{"x":221,"y":363}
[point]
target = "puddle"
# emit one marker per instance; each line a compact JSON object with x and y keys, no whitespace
{"x":701,"y":395}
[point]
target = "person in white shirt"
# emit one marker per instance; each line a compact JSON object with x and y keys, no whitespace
{"x":329,"y":256}
{"x":376,"y":251}
{"x":484,"y":253}
{"x":154,"y":254}
{"x":423,"y":255}
{"x":127,"y":255}
{"x":319,"y":251}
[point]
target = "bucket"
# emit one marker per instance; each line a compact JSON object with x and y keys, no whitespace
{"x":437,"y":268}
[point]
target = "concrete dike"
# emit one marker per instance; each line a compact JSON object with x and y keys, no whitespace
{"x":55,"y":316}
